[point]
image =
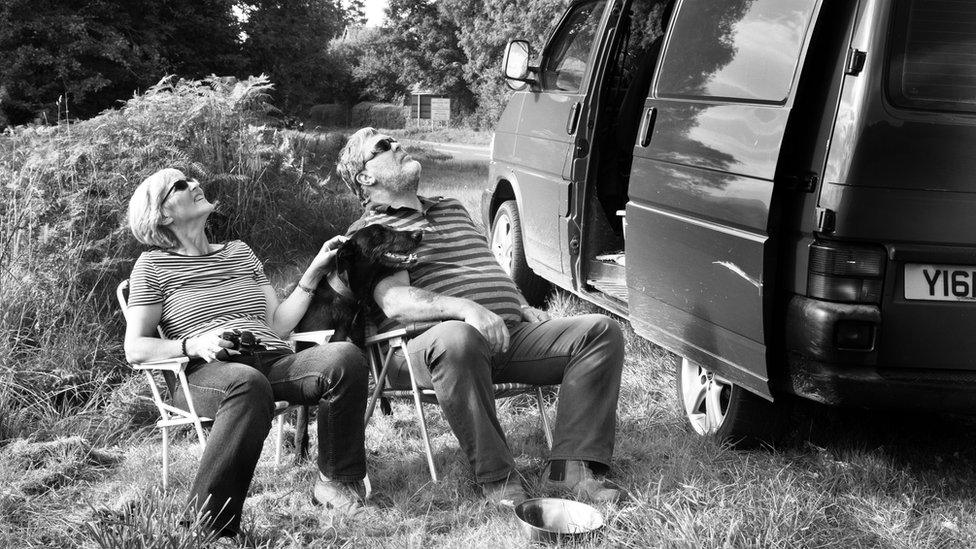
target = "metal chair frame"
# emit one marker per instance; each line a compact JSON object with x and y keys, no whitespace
{"x":172,"y":416}
{"x":380,"y":360}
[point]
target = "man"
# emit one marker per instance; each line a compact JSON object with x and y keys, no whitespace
{"x":488,"y":334}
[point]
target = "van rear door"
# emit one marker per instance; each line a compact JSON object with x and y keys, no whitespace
{"x":698,"y":248}
{"x":902,"y":173}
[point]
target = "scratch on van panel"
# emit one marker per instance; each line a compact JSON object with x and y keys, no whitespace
{"x":735,"y":269}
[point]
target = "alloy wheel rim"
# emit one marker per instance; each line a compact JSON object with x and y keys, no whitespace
{"x":705,"y":397}
{"x":501,"y":243}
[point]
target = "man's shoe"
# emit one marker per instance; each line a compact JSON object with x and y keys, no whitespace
{"x":506,"y":493}
{"x":347,"y":498}
{"x":575,"y":477}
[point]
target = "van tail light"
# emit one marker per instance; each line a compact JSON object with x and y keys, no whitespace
{"x":846,"y":273}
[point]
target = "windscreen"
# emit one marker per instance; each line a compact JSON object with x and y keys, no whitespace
{"x":933,"y":55}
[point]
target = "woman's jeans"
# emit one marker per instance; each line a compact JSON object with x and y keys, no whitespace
{"x":241,"y":400}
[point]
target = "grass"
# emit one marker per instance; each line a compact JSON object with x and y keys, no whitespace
{"x":844,"y":479}
{"x":445,"y":134}
{"x":440,"y":134}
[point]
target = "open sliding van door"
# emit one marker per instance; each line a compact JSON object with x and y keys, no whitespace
{"x":699,"y":256}
{"x":551,"y":126}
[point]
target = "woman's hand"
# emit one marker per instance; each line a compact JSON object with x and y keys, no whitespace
{"x":323,"y":261}
{"x":207,"y":345}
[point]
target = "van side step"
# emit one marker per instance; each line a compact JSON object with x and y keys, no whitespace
{"x":608,"y":277}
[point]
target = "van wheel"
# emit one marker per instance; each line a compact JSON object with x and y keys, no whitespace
{"x":714,"y":406}
{"x":506,"y":245}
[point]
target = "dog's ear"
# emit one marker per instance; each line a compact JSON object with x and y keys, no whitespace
{"x":345,"y":256}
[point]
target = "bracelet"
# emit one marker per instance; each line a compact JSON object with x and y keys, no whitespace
{"x":183,"y":346}
{"x":305,"y":289}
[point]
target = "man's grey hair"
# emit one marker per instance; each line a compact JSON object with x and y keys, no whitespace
{"x":352,"y":160}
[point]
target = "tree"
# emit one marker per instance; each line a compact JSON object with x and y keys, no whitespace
{"x":356,"y":12}
{"x":373,"y":63}
{"x":93,"y":53}
{"x":484,"y":28}
{"x":427,"y":42}
{"x":288,"y":39}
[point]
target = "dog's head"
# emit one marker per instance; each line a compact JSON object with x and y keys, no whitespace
{"x":370,"y":255}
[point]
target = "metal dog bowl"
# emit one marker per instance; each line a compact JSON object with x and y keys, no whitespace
{"x":554,"y":519}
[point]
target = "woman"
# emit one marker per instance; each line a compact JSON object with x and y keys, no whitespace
{"x":194,"y":291}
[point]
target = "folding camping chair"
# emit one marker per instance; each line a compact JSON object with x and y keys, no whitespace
{"x":174,"y":371}
{"x":380,"y":349}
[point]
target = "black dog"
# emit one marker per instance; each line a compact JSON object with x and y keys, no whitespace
{"x":344,"y":298}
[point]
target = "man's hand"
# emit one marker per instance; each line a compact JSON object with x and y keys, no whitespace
{"x":490,"y":325}
{"x":531,"y":314}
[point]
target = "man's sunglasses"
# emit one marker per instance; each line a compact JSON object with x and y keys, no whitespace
{"x":178,"y":185}
{"x":381,"y":147}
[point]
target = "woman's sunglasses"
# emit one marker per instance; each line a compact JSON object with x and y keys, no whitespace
{"x":178,"y":185}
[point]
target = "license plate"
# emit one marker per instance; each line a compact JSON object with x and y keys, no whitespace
{"x":940,"y":282}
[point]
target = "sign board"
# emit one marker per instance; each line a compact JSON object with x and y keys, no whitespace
{"x":440,"y":109}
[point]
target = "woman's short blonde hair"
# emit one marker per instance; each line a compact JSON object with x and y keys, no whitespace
{"x":146,"y":209}
{"x":352,"y":160}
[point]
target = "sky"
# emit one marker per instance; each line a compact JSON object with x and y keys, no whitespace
{"x":374,"y":11}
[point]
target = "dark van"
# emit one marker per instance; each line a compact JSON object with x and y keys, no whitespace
{"x":781,"y":192}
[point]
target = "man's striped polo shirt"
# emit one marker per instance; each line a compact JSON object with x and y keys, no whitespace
{"x":453,"y":258}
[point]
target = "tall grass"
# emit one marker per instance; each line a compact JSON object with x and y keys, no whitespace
{"x":64,"y":245}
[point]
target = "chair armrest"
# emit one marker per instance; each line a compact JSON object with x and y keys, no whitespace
{"x":416,"y":328}
{"x":318,"y":337}
{"x":412,"y":329}
{"x":176,"y":364}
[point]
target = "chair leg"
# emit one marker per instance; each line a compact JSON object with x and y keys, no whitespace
{"x":301,"y":434}
{"x":165,"y":458}
{"x":546,"y":428}
{"x":279,"y":438}
{"x":423,"y":420}
{"x":379,"y":378}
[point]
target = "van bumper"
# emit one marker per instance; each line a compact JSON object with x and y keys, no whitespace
{"x":820,"y":370}
{"x":872,"y":387}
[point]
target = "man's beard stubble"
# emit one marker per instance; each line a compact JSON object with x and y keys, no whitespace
{"x":405,"y":181}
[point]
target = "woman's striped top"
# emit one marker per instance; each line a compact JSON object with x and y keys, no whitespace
{"x":219,"y":290}
{"x":453,"y":258}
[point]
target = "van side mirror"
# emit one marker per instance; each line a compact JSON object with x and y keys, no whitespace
{"x":516,"y":63}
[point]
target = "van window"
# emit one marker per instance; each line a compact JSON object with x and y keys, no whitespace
{"x":745,"y":50}
{"x":933,"y":56}
{"x":569,"y":52}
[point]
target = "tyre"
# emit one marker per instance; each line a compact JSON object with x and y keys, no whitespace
{"x":506,"y":245}
{"x":713,"y":406}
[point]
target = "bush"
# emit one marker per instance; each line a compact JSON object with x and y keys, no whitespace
{"x":380,"y":115}
{"x":330,"y":115}
{"x":65,"y":244}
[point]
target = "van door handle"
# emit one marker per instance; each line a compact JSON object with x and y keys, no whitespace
{"x":647,"y":125}
{"x":573,"y":119}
